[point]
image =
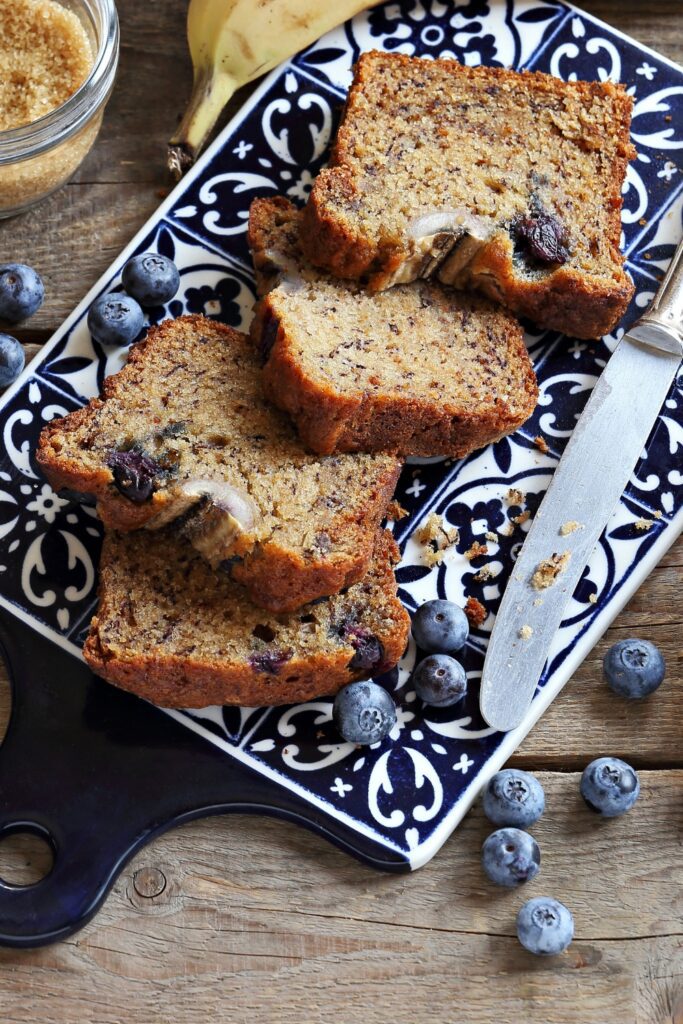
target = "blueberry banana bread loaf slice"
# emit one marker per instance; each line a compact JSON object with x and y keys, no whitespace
{"x":417,"y":370}
{"x":486,"y":178}
{"x":183,"y":433}
{"x":181,"y":634}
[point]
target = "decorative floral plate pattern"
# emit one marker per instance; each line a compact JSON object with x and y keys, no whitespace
{"x":409,"y":792}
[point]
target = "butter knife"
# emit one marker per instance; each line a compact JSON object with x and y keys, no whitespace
{"x":590,"y":477}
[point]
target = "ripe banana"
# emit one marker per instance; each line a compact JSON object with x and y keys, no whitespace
{"x":234,"y":41}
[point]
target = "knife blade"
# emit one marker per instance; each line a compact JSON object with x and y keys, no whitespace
{"x":585,"y":489}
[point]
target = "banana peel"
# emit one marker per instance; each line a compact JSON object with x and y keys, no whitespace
{"x":232,"y":42}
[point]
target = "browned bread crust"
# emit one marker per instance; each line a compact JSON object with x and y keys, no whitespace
{"x":498,"y":155}
{"x":190,"y":398}
{"x":176,"y":632}
{"x":418,"y":370}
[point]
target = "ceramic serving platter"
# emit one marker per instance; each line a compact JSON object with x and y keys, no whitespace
{"x":394,"y":803}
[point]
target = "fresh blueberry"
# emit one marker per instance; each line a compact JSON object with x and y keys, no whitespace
{"x":545,"y":926}
{"x":363,"y":713}
{"x":513,"y":797}
{"x":610,"y":786}
{"x":115,"y":319}
{"x":11,"y":360}
{"x":21,"y":292}
{"x":440,"y":627}
{"x":510,"y":857}
{"x":440,"y":680}
{"x":634,"y":668}
{"x":151,"y":279}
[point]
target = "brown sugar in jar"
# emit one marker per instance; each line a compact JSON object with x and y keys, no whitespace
{"x":58,"y":62}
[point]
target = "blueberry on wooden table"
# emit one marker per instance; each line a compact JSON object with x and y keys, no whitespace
{"x":11,"y":360}
{"x":150,"y":278}
{"x":609,"y":786}
{"x":21,"y":292}
{"x":634,"y":668}
{"x":545,"y":926}
{"x":440,"y":680}
{"x":514,"y":797}
{"x":363,"y":713}
{"x":440,"y":627}
{"x":115,"y":319}
{"x":510,"y":857}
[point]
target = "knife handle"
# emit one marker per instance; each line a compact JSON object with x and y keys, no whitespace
{"x":661,"y":326}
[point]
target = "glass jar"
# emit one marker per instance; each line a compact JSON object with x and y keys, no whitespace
{"x":39,"y":157}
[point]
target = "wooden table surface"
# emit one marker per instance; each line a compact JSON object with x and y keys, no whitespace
{"x":238,"y":918}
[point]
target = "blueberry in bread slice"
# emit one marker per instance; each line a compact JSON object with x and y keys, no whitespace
{"x":182,"y":433}
{"x":419,"y":369}
{"x":507,"y":182}
{"x":181,"y":634}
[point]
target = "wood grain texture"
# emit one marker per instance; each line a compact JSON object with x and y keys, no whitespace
{"x":249,"y":917}
{"x":237,"y":919}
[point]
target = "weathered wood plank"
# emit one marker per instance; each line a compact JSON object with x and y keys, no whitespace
{"x":284,"y":927}
{"x":71,"y":239}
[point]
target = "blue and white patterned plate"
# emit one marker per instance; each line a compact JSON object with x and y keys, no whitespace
{"x":409,"y":792}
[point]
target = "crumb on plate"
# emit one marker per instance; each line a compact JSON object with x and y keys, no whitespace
{"x":437,"y":537}
{"x":476,"y":612}
{"x":476,"y":551}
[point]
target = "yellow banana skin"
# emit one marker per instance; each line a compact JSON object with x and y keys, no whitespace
{"x":232,"y":42}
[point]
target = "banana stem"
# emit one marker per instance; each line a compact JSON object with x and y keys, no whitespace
{"x":210,"y":93}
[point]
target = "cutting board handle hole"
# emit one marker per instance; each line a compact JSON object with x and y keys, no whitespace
{"x":26,"y":855}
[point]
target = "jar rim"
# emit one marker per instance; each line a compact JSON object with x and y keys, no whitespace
{"x":29,"y":140}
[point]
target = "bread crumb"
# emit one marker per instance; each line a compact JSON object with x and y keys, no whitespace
{"x":658,"y":514}
{"x":537,"y":602}
{"x":515,"y":496}
{"x":476,"y":551}
{"x":476,"y":612}
{"x":526,"y":632}
{"x":549,"y":569}
{"x":485,"y":573}
{"x":522,"y":517}
{"x":490,"y":535}
{"x":569,"y":527}
{"x":396,"y":511}
{"x":437,"y":537}
{"x":541,"y":444}
{"x":643,"y":524}
{"x":593,"y":598}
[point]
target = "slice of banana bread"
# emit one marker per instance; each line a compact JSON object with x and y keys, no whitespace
{"x":183,"y":433}
{"x":419,"y":369}
{"x":181,"y":634}
{"x":487,"y":178}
